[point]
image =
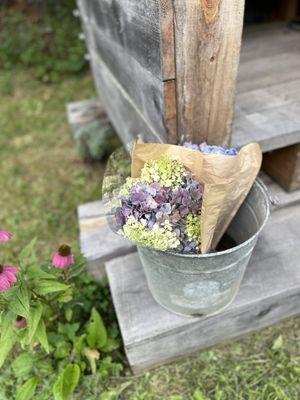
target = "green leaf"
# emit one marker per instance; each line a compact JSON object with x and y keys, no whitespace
{"x":33,"y":320}
{"x":5,"y":347}
{"x":23,"y":365}
{"x":199,"y":395}
{"x":66,"y":296}
{"x":69,"y":314}
{"x":35,"y":271}
{"x":111,"y":345}
{"x":27,"y":391}
{"x":71,"y":379}
{"x":7,"y":325}
{"x":27,"y":251}
{"x":97,"y":334}
{"x":46,"y":286}
{"x":277,"y":344}
{"x":66,"y":382}
{"x":58,"y":388}
{"x":42,"y":335}
{"x":19,"y":304}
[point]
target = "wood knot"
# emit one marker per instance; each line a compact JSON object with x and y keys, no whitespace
{"x":210,"y":9}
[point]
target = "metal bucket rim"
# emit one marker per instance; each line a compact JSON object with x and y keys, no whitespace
{"x":263,"y":189}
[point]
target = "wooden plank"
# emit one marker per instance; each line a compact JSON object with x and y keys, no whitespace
{"x":150,"y":95}
{"x":274,"y":69}
{"x":207,"y":46}
{"x":80,"y":113}
{"x":97,"y":241}
{"x":146,"y":91}
{"x":126,"y":118}
{"x":133,"y":25}
{"x":284,"y":166}
{"x":265,"y":40}
{"x":270,"y":292}
{"x":280,"y":196}
{"x":288,"y":9}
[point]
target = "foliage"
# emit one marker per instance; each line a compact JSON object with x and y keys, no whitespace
{"x":43,"y":38}
{"x":36,"y":156}
{"x":96,"y":140}
{"x":62,"y":333}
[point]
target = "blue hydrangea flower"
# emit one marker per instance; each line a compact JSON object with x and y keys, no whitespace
{"x":212,"y":149}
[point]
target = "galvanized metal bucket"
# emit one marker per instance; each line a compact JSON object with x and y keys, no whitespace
{"x":196,"y":285}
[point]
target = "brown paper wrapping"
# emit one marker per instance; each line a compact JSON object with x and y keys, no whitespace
{"x":227,"y":180}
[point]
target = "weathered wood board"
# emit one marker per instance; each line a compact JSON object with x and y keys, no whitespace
{"x":99,"y":244}
{"x":176,"y":61}
{"x":269,"y":293}
{"x":132,"y":41}
{"x":207,"y":47}
{"x":147,"y":61}
{"x":284,"y":166}
{"x":80,"y":113}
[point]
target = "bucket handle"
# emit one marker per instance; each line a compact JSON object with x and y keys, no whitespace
{"x":273,"y":200}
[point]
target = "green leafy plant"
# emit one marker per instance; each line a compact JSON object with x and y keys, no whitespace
{"x":42,"y":37}
{"x":50,"y":324}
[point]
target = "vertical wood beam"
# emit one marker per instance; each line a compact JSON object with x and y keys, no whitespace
{"x":288,"y":9}
{"x":207,"y":47}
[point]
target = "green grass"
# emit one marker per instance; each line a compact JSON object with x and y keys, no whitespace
{"x":42,"y":181}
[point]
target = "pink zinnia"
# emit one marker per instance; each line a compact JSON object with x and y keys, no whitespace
{"x":63,"y":258}
{"x":20,"y":322}
{"x":7,"y":277}
{"x":5,"y":236}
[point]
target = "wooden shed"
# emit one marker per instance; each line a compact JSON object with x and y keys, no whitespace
{"x":200,"y":70}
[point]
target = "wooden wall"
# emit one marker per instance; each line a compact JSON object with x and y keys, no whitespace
{"x":166,"y":69}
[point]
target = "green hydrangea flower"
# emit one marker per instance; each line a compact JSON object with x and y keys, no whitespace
{"x":159,"y":238}
{"x":165,"y":171}
{"x":192,"y":228}
{"x":126,"y":188}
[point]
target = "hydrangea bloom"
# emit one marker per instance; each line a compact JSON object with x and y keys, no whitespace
{"x":7,"y":277}
{"x":159,"y":209}
{"x":63,"y":258}
{"x":207,"y":149}
{"x":165,"y":171}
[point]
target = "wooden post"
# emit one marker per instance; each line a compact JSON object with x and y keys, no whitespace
{"x":166,"y":69}
{"x":207,"y":45}
{"x":288,"y":9}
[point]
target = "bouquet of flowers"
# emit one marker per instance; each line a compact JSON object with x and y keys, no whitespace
{"x":177,"y":196}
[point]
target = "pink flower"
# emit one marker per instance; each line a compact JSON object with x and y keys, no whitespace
{"x":63,"y":258}
{"x":20,"y":322}
{"x":7,"y":277}
{"x":5,"y":236}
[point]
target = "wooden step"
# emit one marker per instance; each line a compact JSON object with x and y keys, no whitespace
{"x":97,"y":241}
{"x":99,"y":244}
{"x":269,"y":293}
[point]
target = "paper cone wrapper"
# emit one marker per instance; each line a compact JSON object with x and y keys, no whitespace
{"x":226,"y":179}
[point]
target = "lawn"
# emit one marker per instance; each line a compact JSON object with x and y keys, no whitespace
{"x":42,"y":182}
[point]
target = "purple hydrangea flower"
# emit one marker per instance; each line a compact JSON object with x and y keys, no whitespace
{"x":155,"y":205}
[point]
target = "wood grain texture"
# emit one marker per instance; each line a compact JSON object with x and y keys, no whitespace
{"x":130,"y":61}
{"x":283,"y":165}
{"x":124,"y":114}
{"x":134,"y":25}
{"x":207,"y":45}
{"x":270,"y":292}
